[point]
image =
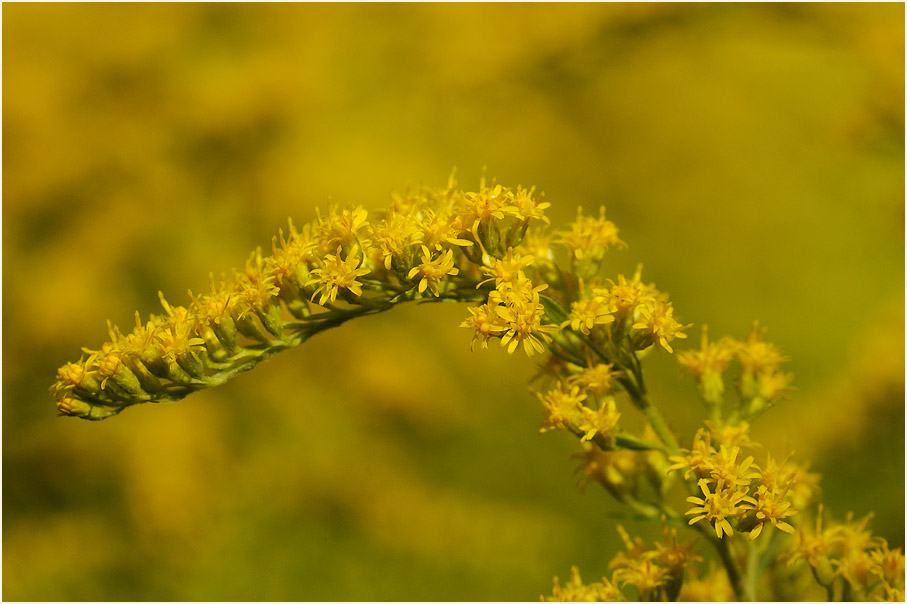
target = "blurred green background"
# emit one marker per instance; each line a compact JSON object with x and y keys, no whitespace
{"x":752,"y":156}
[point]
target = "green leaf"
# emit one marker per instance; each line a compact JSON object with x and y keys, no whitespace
{"x":553,"y":310}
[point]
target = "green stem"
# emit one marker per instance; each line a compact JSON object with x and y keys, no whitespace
{"x":628,"y":441}
{"x":727,"y":560}
{"x":635,"y":387}
{"x":733,"y":571}
{"x":847,"y":594}
{"x":655,"y":419}
{"x":714,"y":412}
{"x":768,"y":555}
{"x":752,"y":571}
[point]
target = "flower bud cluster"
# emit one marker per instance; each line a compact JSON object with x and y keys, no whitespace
{"x":847,"y":557}
{"x":657,"y":573}
{"x":760,"y":382}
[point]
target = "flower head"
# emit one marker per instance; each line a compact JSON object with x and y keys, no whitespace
{"x":730,"y":467}
{"x":506,"y":270}
{"x":619,"y":472}
{"x":719,"y":506}
{"x":526,"y":205}
{"x":596,"y":379}
{"x":336,"y":274}
{"x":601,"y":422}
{"x":338,"y":228}
{"x":698,"y":459}
{"x":590,"y":237}
{"x":520,"y":307}
{"x":625,"y":295}
{"x":707,"y":365}
{"x":490,"y":203}
{"x":731,"y":435}
{"x":562,"y":408}
{"x":644,"y":574}
{"x":656,"y":325}
{"x":888,"y":564}
{"x":486,"y":323}
{"x":394,"y":236}
{"x":756,"y":355}
{"x":586,"y":314}
{"x":770,"y":508}
{"x":433,"y":270}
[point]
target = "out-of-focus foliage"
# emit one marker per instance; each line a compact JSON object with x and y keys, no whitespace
{"x":752,"y":156}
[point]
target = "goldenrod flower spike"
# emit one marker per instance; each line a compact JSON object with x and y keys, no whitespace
{"x":333,"y":269}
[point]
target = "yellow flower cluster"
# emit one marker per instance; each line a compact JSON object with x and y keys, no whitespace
{"x":568,"y":411}
{"x":736,"y":492}
{"x":851,"y":563}
{"x":655,"y":574}
{"x":576,"y":591}
{"x":658,"y":573}
{"x":514,"y":311}
{"x":589,"y":238}
{"x":628,"y":308}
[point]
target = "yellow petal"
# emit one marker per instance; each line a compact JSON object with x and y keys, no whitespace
{"x":755,"y":532}
{"x":785,"y":527}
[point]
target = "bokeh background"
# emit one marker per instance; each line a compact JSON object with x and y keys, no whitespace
{"x":752,"y":156}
